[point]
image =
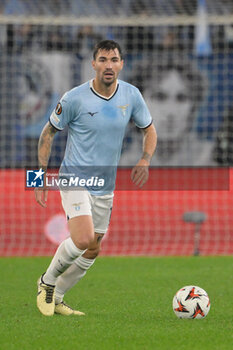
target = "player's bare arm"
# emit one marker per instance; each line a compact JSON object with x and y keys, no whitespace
{"x":140,"y":172}
{"x":44,"y":151}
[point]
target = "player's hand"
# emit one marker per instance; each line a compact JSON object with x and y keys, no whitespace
{"x":140,"y":173}
{"x":41,"y":195}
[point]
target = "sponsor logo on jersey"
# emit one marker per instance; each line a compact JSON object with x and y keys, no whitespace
{"x":92,"y":113}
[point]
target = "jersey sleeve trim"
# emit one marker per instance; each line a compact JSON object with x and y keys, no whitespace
{"x":144,"y":127}
{"x":55,"y":127}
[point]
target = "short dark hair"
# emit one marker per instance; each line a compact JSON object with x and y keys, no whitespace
{"x":107,"y":45}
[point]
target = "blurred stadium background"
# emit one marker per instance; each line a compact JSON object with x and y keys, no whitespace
{"x":180,"y":54}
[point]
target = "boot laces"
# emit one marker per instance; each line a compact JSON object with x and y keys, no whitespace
{"x":49,"y":294}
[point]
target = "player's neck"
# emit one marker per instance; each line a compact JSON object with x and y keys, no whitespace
{"x":104,"y":90}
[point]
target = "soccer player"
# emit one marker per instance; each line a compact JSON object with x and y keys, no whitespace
{"x":97,"y":113}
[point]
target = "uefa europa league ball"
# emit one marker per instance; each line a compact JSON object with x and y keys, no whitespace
{"x":191,"y":302}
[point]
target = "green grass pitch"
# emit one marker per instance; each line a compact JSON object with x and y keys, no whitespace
{"x":127,"y":302}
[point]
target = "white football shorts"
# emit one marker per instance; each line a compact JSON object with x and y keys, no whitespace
{"x":77,"y":203}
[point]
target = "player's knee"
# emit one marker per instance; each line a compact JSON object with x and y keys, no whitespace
{"x":92,"y":253}
{"x":83,"y":241}
{"x":81,"y":231}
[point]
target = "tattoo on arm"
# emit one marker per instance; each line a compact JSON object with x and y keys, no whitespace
{"x":146,"y":156}
{"x":45,"y":145}
{"x":149,"y":143}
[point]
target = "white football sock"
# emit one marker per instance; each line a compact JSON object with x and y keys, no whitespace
{"x":71,"y":276}
{"x":65,"y":255}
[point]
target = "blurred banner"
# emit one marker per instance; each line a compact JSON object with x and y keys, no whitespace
{"x":188,"y":97}
{"x":142,"y":223}
{"x":32,"y":87}
{"x":202,"y":35}
{"x":189,"y":94}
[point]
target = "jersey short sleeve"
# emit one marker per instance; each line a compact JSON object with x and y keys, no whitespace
{"x":141,"y":115}
{"x":62,"y":114}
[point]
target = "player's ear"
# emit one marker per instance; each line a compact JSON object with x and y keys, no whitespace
{"x":93,"y":64}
